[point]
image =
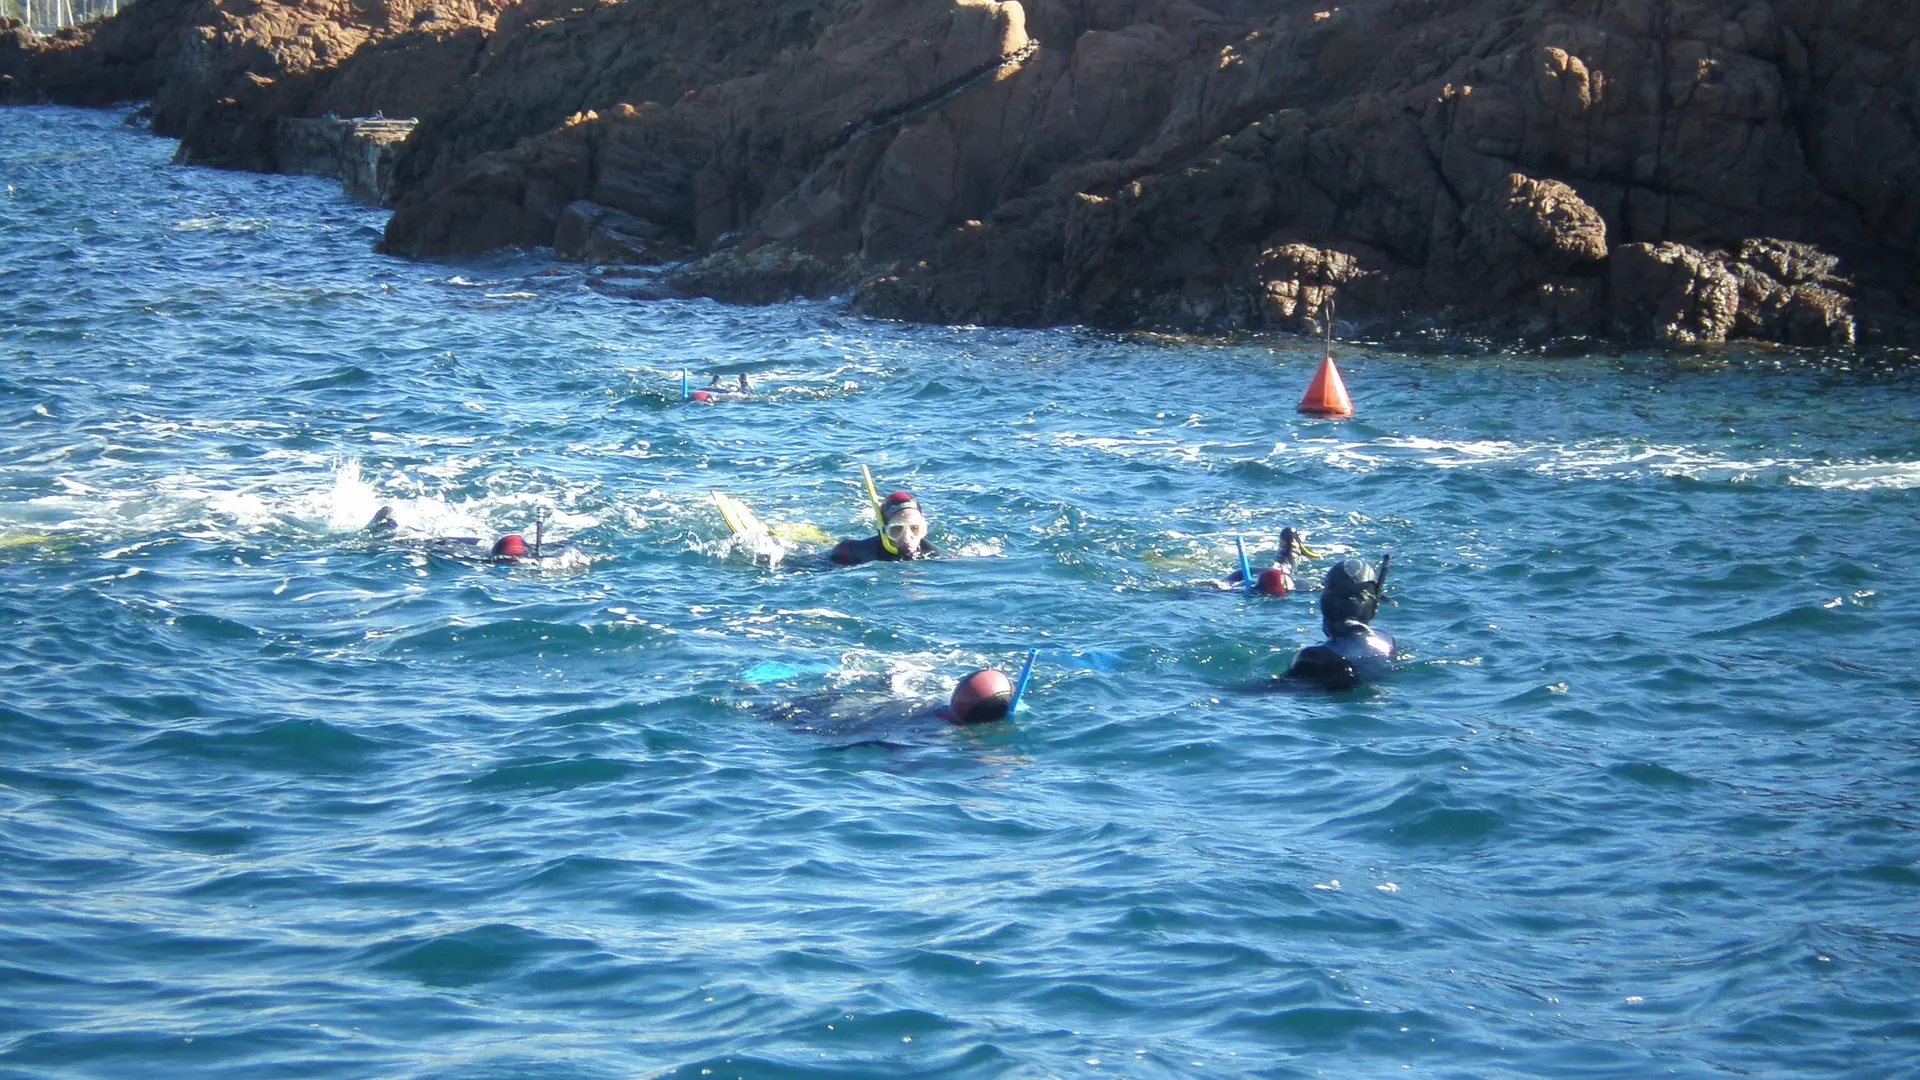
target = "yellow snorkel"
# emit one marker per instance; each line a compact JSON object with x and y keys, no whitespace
{"x":879,"y":516}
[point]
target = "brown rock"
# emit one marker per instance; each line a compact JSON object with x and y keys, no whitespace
{"x":1299,"y":282}
{"x":1773,"y":290}
{"x":1790,"y":293}
{"x":591,"y":233}
{"x":222,"y":73}
{"x":1199,"y":164}
{"x":768,"y":275}
{"x":1672,"y":294}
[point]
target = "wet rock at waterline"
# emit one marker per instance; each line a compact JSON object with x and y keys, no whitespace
{"x":1771,"y":290}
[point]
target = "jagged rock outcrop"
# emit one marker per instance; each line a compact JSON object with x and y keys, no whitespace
{"x":549,"y":60}
{"x":1507,"y":168}
{"x":1771,"y":290}
{"x":1662,"y":170}
{"x":711,"y":158}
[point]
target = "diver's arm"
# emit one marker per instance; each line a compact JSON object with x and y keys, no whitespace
{"x":855,"y":552}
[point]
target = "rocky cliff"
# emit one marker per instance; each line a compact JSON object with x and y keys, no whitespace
{"x":221,"y":74}
{"x":1665,"y":170}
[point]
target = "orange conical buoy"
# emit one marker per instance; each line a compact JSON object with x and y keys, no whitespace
{"x":1326,"y":395}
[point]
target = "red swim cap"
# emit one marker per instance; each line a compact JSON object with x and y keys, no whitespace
{"x":982,"y":696}
{"x":510,"y":546}
{"x":897,"y":502}
{"x":701,"y":395}
{"x":1273,"y":582}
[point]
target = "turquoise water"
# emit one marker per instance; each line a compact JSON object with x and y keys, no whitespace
{"x":276,"y":800}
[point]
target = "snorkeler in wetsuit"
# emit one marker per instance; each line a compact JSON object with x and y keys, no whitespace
{"x":1354,"y":651}
{"x":509,"y":550}
{"x":1277,"y":580}
{"x":980,"y":697}
{"x":903,"y":536}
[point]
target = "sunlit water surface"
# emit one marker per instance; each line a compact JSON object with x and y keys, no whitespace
{"x":279,"y":800}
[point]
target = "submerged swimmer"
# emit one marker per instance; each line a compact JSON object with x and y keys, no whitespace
{"x":903,"y":536}
{"x":980,"y":697}
{"x":510,"y":550}
{"x":1277,"y":580}
{"x":1354,"y":651}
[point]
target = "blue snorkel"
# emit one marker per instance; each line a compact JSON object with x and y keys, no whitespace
{"x":685,"y":393}
{"x":1020,"y":686}
{"x":1246,"y":569}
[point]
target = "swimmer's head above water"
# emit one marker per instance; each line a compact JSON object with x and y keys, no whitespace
{"x":904,"y":526}
{"x":1349,"y":597}
{"x":509,"y":549}
{"x":1273,"y":581}
{"x":981,"y":697}
{"x":1277,"y":580}
{"x":1293,"y":544}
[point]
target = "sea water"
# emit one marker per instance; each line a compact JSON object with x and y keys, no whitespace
{"x":278,"y":799}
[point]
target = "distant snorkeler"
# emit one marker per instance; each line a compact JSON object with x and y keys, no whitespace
{"x":510,"y":550}
{"x":1354,"y":651}
{"x":902,"y":536}
{"x":718,"y":390}
{"x":1277,"y":580}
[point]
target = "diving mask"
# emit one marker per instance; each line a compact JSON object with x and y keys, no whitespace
{"x":906,"y":527}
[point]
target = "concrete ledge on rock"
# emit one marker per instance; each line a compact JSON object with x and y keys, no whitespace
{"x":358,"y":151}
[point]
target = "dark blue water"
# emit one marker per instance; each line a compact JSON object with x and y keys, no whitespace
{"x":277,"y":800}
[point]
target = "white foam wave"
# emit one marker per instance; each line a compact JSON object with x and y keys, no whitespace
{"x":909,"y":675}
{"x":1599,"y":459}
{"x":351,"y":501}
{"x":1143,"y":444}
{"x":216,"y":223}
{"x":1861,"y":477}
{"x":991,"y":547}
{"x":292,"y":500}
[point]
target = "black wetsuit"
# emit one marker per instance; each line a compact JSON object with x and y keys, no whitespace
{"x":870,"y":549}
{"x":1354,"y":653}
{"x":477,"y":552}
{"x":868,"y":718}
